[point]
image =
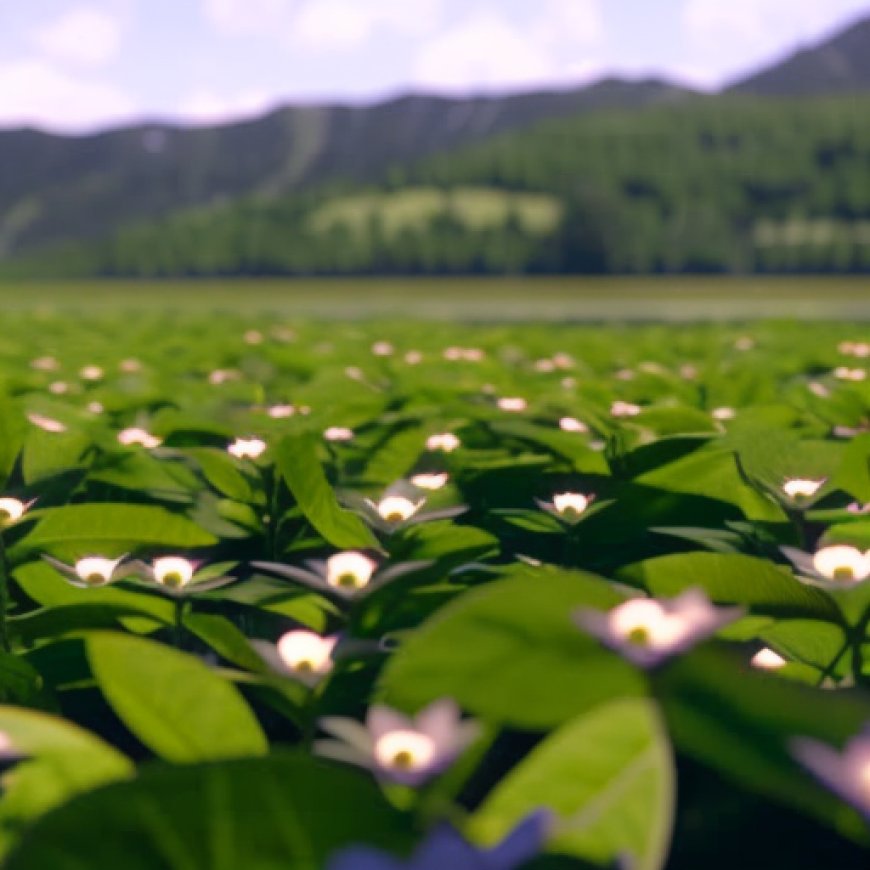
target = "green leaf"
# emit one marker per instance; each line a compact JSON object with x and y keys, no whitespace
{"x":109,"y":529}
{"x":609,"y":777}
{"x":63,"y":760}
{"x":171,"y":701}
{"x":221,"y":472}
{"x":280,"y":812}
{"x":510,"y":652}
{"x":12,"y":429}
{"x":733,"y":578}
{"x":48,"y":453}
{"x":296,"y":459}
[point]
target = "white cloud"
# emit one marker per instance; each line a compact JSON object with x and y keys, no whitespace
{"x":570,"y":23}
{"x":84,"y":36}
{"x":341,"y":24}
{"x":204,"y":106}
{"x":483,"y":50}
{"x":235,"y":17}
{"x":34,"y":92}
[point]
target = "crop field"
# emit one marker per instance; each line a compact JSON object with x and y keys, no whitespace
{"x":280,"y":588}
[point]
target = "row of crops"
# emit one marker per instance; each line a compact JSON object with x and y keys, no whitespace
{"x":398,"y":595}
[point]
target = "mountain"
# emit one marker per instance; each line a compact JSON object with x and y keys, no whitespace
{"x":839,"y":65}
{"x":64,"y":188}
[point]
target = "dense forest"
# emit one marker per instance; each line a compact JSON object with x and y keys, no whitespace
{"x":726,"y":184}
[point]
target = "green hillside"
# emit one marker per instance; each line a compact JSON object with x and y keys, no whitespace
{"x":712,"y":185}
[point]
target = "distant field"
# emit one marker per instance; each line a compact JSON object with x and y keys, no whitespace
{"x":483,"y":299}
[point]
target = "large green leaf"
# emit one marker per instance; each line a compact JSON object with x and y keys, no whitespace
{"x":609,"y":777}
{"x":732,"y":578}
{"x":284,"y":812}
{"x":109,"y":529}
{"x":171,"y":701}
{"x":297,"y":461}
{"x":511,"y":653}
{"x":12,"y":429}
{"x":62,"y":760}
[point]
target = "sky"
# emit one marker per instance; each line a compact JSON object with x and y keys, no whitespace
{"x":76,"y":66}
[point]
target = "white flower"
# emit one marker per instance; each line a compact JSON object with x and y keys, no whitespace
{"x":563,"y":360}
{"x":431,"y":481}
{"x":567,"y":506}
{"x":172,"y":571}
{"x":545,"y":366}
{"x":345,"y":575}
{"x":11,"y":510}
{"x":446,"y":442}
{"x":452,"y":353}
{"x":647,"y":631}
{"x":45,"y":364}
{"x":129,"y":366}
{"x":767,"y":660}
{"x":744,"y":343}
{"x":845,"y":773}
{"x":844,"y":373}
{"x":96,"y":570}
{"x":624,"y":409}
{"x":95,"y":407}
{"x":512,"y":403}
{"x":47,"y":424}
{"x":398,"y":748}
{"x":413,"y":357}
{"x":91,"y":373}
{"x":253,"y":336}
{"x":571,"y":424}
{"x":338,"y":433}
{"x":473,"y":354}
{"x":349,"y":570}
{"x":840,"y":565}
{"x":397,"y":508}
{"x":58,"y":388}
{"x":306,"y":655}
{"x":382,"y":348}
{"x":280,"y":412}
{"x":135,"y":435}
{"x":818,"y":390}
{"x":800,"y":489}
{"x":723,"y":413}
{"x":247,"y":448}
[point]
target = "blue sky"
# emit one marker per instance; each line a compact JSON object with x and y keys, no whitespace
{"x":79,"y":65}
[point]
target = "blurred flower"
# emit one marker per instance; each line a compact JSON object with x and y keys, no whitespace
{"x":744,"y":343}
{"x":91,"y":373}
{"x":397,"y":508}
{"x":280,"y":412}
{"x":858,"y":508}
{"x":247,"y":448}
{"x":820,"y":391}
{"x":349,"y":574}
{"x":135,"y":435}
{"x":844,"y":373}
{"x":338,"y":433}
{"x":129,"y":366}
{"x":222,"y":376}
{"x":253,"y":336}
{"x":47,"y":424}
{"x":397,"y":748}
{"x":767,"y":660}
{"x":624,"y":409}
{"x":723,"y":413}
{"x":839,"y":563}
{"x":430,"y":481}
{"x":545,"y":366}
{"x":58,"y":388}
{"x":413,"y":357}
{"x":45,"y":364}
{"x":563,"y":360}
{"x":11,"y":510}
{"x":647,"y":631}
{"x":95,"y":407}
{"x":300,"y":654}
{"x":845,"y":773}
{"x":446,"y":442}
{"x":445,"y":849}
{"x":571,"y":424}
{"x":382,"y":348}
{"x":801,"y":490}
{"x":92,"y":571}
{"x":567,"y":506}
{"x":513,"y":404}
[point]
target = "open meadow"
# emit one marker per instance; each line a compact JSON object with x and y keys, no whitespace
{"x":492,"y":574}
